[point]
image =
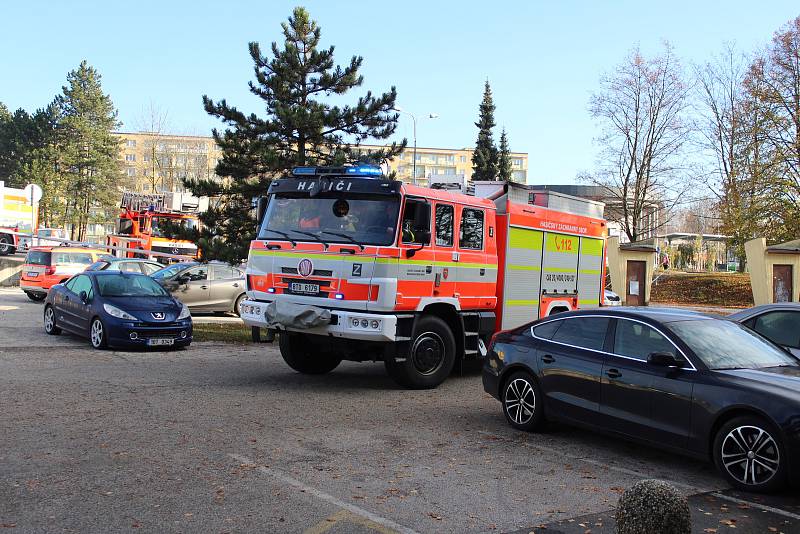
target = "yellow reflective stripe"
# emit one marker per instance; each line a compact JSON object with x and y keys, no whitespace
{"x":589,"y":301}
{"x":558,"y":270}
{"x":589,"y":271}
{"x":562,"y":243}
{"x":363,"y":259}
{"x":522,"y":303}
{"x":591,"y":247}
{"x":521,"y":238}
{"x":524,"y":267}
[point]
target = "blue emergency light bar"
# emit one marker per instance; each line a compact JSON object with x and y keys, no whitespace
{"x":361,"y":170}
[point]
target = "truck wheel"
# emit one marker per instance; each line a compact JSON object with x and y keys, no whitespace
{"x":430,"y":358}
{"x":303,"y":358}
{"x":6,"y":245}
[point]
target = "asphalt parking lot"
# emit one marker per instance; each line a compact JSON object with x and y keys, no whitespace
{"x":226,"y":438}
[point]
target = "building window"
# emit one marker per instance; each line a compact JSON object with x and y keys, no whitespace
{"x":131,"y":143}
{"x":463,"y":159}
{"x":146,"y":187}
{"x":451,"y":159}
{"x":519,"y":176}
{"x":516,"y":162}
{"x":146,"y":157}
{"x":130,"y":157}
{"x":131,"y":171}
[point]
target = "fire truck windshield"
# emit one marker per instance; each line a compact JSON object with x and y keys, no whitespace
{"x":157,"y":231}
{"x":365,"y":220}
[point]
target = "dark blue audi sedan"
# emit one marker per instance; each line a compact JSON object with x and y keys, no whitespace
{"x":117,"y":309}
{"x":675,"y":379}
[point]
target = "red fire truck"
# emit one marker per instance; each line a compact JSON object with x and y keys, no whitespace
{"x":349,"y":265}
{"x":139,"y":224}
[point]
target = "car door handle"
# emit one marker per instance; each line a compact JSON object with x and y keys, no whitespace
{"x":613,"y":373}
{"x":203,"y":287}
{"x":236,"y":284}
{"x":548,"y":359}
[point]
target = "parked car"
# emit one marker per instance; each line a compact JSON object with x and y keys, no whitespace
{"x":45,"y":237}
{"x":117,"y":309}
{"x":208,"y":287}
{"x":780,"y":323}
{"x":611,"y":299}
{"x":45,"y":267}
{"x":681,"y":380}
{"x":126,"y":265}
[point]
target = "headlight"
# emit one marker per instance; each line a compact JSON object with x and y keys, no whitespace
{"x":185,"y":313}
{"x":113,"y":311}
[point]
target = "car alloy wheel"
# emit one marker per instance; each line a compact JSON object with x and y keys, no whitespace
{"x":97,"y":334}
{"x":750,"y":455}
{"x":50,"y":321}
{"x":428,"y":353}
{"x":520,"y":401}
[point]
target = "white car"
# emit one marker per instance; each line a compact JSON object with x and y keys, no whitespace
{"x":611,"y":299}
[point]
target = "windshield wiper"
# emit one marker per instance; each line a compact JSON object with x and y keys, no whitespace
{"x":315,"y":237}
{"x":338,"y":234}
{"x":284,"y":234}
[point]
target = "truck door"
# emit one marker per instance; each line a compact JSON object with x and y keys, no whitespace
{"x":472,"y":270}
{"x":444,"y":282}
{"x":415,"y":270}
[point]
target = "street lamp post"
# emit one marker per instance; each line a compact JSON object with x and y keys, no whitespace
{"x":414,"y":121}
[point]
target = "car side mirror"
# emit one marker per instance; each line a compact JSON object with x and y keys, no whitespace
{"x":663,"y":359}
{"x":424,"y":239}
{"x":84,"y":296}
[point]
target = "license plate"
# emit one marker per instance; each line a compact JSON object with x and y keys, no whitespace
{"x":32,"y":274}
{"x":304,"y":288}
{"x":160,"y":341}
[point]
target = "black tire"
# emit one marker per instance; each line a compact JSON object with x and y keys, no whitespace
{"x":749,"y":453}
{"x":101,"y":341}
{"x":431,"y":356}
{"x":6,"y":245}
{"x":50,"y":326}
{"x":523,"y":402}
{"x":303,"y":358}
{"x":238,"y":303}
{"x":36,"y":297}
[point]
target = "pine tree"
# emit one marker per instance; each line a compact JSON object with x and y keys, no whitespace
{"x":299,"y":128}
{"x":504,"y":158}
{"x":484,"y":158}
{"x":89,"y":153}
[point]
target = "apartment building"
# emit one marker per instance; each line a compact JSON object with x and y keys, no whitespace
{"x":157,"y":162}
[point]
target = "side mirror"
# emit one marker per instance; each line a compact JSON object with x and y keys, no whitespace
{"x":663,"y":359}
{"x":424,"y":237}
{"x":84,"y":296}
{"x":261,"y":208}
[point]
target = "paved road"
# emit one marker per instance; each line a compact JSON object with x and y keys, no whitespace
{"x":226,"y":438}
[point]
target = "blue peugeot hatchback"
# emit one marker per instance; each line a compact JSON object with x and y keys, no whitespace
{"x":117,"y":309}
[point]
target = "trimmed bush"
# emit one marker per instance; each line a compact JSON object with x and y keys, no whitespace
{"x":653,"y":506}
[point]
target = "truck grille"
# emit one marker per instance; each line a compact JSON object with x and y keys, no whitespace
{"x":316,"y":272}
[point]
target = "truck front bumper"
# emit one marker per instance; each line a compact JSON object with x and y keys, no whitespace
{"x":344,"y":324}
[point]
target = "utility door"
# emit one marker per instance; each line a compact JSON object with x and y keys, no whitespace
{"x":635,"y":282}
{"x":782,"y":290}
{"x":444,"y":271}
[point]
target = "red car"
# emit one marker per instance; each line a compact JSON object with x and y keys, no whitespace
{"x":47,"y":266}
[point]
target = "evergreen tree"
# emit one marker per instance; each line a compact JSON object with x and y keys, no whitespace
{"x":504,"y":158}
{"x":299,"y":128}
{"x":89,"y":154}
{"x":484,"y":158}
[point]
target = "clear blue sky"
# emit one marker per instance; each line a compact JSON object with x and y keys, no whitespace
{"x":543,"y":59}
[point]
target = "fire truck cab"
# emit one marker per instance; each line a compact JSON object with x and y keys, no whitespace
{"x":142,"y":215}
{"x":349,"y":265}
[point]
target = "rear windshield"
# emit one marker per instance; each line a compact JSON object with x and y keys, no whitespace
{"x":129,"y":285}
{"x":38,"y":257}
{"x":72,"y":258}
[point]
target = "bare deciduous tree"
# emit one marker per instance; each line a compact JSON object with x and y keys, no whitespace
{"x":641,"y":107}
